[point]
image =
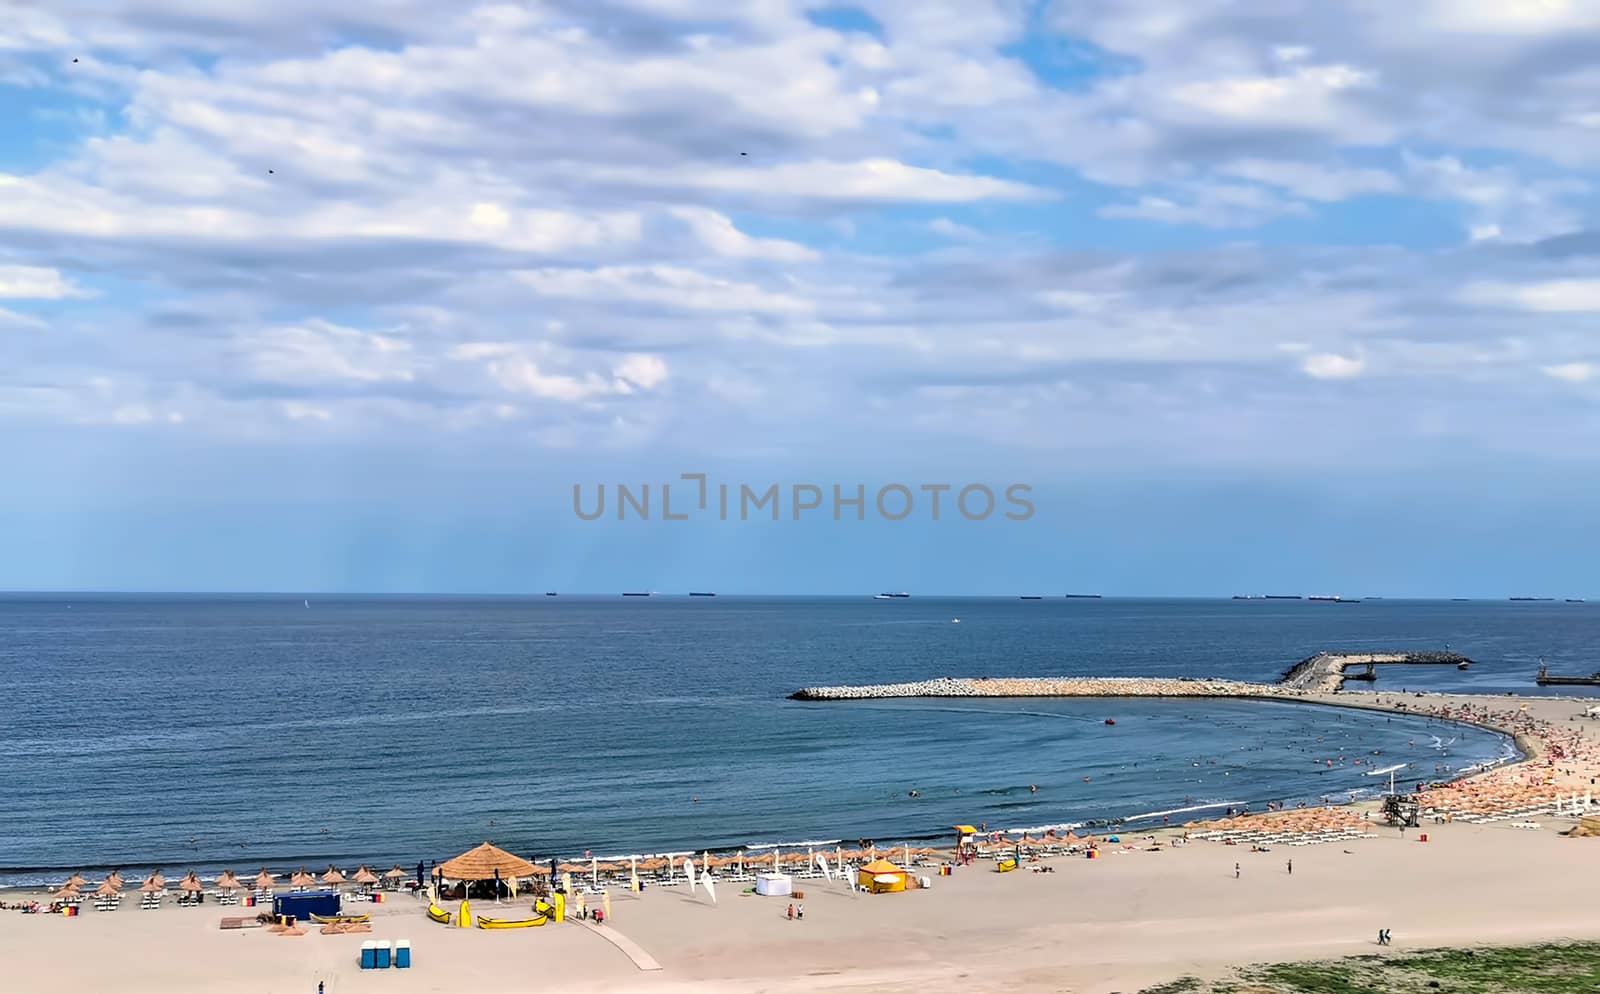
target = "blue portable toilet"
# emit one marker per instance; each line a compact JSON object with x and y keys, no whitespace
{"x":384,"y":955}
{"x":369,"y":955}
{"x":402,"y":954}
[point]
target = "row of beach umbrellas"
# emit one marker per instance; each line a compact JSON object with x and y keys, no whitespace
{"x":228,"y":881}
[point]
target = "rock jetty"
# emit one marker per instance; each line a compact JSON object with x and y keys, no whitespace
{"x":1322,"y":673}
{"x":1041,"y":687}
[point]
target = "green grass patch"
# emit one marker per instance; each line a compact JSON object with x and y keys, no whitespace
{"x":1183,"y":985}
{"x":1553,"y":968}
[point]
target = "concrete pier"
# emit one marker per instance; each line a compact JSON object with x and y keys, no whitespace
{"x":1325,"y":671}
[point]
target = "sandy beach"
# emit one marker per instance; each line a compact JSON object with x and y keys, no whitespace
{"x":1128,"y":919}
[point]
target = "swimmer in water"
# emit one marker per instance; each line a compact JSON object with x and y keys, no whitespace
{"x":1032,"y":789}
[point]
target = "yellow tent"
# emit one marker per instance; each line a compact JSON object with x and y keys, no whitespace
{"x":882,"y":877}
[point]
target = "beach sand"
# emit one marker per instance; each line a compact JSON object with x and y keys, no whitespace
{"x":1117,"y":923}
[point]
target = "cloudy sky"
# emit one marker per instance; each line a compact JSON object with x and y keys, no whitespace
{"x":307,"y":296}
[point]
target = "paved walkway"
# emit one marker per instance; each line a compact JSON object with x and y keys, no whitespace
{"x":634,"y":951}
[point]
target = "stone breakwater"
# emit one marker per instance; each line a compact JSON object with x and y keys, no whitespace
{"x":1322,"y":673}
{"x":1041,"y":687}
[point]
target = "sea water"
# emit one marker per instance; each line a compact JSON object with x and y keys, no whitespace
{"x":158,"y":731}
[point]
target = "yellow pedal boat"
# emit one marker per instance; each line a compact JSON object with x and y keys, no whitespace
{"x":341,"y":919}
{"x":1005,"y":865}
{"x":438,"y":914}
{"x":511,"y":923}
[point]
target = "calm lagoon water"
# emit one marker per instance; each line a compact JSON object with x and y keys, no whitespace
{"x":242,"y":731}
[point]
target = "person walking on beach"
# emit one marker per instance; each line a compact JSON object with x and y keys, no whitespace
{"x":1236,"y":871}
{"x":800,"y":911}
{"x":1291,"y":867}
{"x":791,"y":912}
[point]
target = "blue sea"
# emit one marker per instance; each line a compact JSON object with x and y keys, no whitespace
{"x":242,"y":731}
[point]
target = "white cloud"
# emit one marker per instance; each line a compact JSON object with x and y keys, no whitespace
{"x":1571,"y":296}
{"x":1214,"y":205}
{"x":950,"y":229}
{"x":320,"y":352}
{"x":870,"y":180}
{"x":12,"y":319}
{"x":1329,"y":366}
{"x":643,"y":371}
{"x":297,"y":411}
{"x":532,"y":369}
{"x":535,"y":219}
{"x":36,"y":283}
{"x":1316,"y":182}
{"x":719,"y":234}
{"x":1307,"y":95}
{"x":1571,"y":372}
{"x":666,"y":286}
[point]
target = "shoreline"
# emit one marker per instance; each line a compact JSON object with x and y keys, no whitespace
{"x":1525,"y":750}
{"x":1313,"y":886}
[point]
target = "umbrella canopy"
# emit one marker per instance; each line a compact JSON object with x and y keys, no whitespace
{"x":191,"y":883}
{"x":333,"y":876}
{"x":265,"y":880}
{"x":366,"y":876}
{"x":108,"y":889}
{"x":302,"y":879}
{"x":115,"y":877}
{"x":883,"y":867}
{"x":154,"y":885}
{"x":76,"y":880}
{"x":228,"y":881}
{"x":483,"y":862}
{"x":71,"y":890}
{"x":160,"y":881}
{"x":395,"y":873}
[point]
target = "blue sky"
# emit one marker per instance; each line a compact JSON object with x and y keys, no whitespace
{"x":300,"y":297}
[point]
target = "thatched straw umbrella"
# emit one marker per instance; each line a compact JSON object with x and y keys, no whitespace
{"x":365,"y":877}
{"x":76,"y":880}
{"x":394,"y":875}
{"x":160,"y":881}
{"x":302,"y":879}
{"x":65,"y":893}
{"x":265,"y":880}
{"x":116,"y":878}
{"x":333,"y":876}
{"x":228,"y":882}
{"x":107,"y":889}
{"x":484,"y":862}
{"x":191,"y":883}
{"x":154,"y":885}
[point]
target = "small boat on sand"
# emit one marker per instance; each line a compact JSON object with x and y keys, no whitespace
{"x":511,"y":922}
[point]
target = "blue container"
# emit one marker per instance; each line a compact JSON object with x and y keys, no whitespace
{"x":369,"y":955}
{"x":402,"y":954}
{"x":383,"y":955}
{"x":307,"y":903}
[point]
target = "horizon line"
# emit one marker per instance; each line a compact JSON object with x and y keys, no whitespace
{"x":632,"y":594}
